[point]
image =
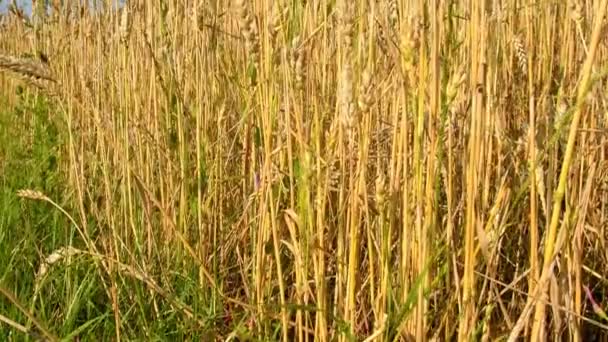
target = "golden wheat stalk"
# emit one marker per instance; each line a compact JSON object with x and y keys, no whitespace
{"x":26,"y":67}
{"x":33,"y":73}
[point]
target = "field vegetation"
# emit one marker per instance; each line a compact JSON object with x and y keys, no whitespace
{"x":398,"y":170}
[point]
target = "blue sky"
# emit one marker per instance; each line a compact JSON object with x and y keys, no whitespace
{"x":27,"y":5}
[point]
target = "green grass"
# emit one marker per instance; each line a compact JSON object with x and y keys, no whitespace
{"x":72,"y":299}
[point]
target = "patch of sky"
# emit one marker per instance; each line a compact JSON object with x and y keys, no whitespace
{"x":26,"y":5}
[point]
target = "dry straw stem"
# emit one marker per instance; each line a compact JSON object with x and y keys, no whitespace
{"x":149,"y":197}
{"x":55,"y":257}
{"x":550,"y":250}
{"x":512,"y":287}
{"x":39,"y":196}
{"x":126,"y":270}
{"x":26,"y":68}
{"x":34,"y":73}
{"x":477,"y":51}
{"x":9,"y":295}
{"x":14,"y":324}
{"x":22,"y":329}
{"x":300,"y":189}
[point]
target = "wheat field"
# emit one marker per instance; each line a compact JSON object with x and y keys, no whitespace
{"x":398,"y":170}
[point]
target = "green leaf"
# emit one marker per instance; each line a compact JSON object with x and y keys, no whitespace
{"x":83,"y":327}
